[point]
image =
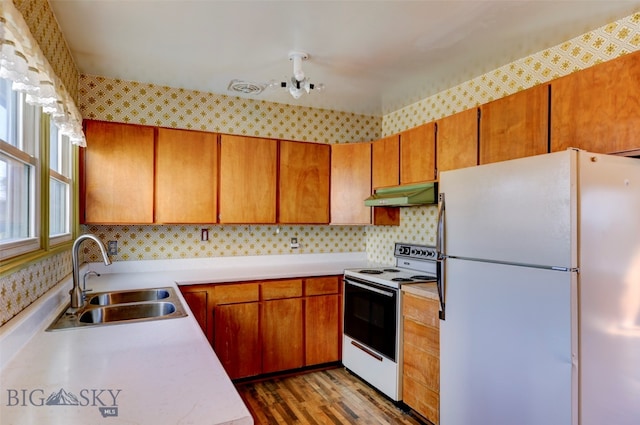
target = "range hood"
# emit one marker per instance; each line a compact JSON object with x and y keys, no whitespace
{"x":404,"y":196}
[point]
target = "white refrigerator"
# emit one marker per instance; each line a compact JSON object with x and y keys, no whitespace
{"x":540,"y":291}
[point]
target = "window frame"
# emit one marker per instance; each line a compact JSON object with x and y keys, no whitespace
{"x":40,"y":244}
{"x":33,"y":241}
{"x":65,"y":161}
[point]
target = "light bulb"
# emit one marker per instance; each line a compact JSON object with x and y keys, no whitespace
{"x":295,"y":92}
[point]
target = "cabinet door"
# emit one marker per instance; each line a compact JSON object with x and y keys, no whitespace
{"x":248,"y":168}
{"x":118,"y":173}
{"x":515,"y":126}
{"x":186,"y":176}
{"x":385,"y":170}
{"x":304,"y":183}
{"x":598,"y":108}
{"x":418,"y":154}
{"x":237,"y":339}
{"x":350,"y":183}
{"x":457,"y":141}
{"x":322,"y":328}
{"x":197,"y":299}
{"x":282,"y":335}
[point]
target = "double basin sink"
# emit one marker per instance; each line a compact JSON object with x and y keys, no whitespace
{"x":129,"y":306}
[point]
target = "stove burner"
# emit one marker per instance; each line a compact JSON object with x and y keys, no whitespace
{"x":423,"y":277}
{"x":392,"y":270}
{"x":371,"y":271}
{"x":402,"y":279}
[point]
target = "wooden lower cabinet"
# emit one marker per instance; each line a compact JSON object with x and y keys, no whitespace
{"x":282,"y":335}
{"x":200,"y":300}
{"x":270,"y":326}
{"x":421,"y":355}
{"x":237,"y":339}
{"x":322,"y":325}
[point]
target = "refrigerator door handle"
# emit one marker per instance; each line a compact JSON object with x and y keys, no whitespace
{"x":441,"y":285}
{"x":440,"y":227}
{"x":440,"y":282}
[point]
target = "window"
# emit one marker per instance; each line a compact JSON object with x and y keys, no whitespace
{"x":19,"y":173}
{"x":60,"y":184}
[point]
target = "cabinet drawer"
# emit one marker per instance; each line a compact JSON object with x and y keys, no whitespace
{"x":322,"y":285}
{"x":419,"y":335}
{"x":236,"y":293}
{"x":423,"y":365}
{"x":278,"y":289}
{"x":421,"y":310}
{"x":420,"y":398}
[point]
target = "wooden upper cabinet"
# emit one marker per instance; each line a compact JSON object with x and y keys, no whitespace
{"x":303,"y":195}
{"x":248,"y":167}
{"x":457,"y":141}
{"x":118,"y":173}
{"x":350,"y":183}
{"x":598,"y":108}
{"x":418,"y":154}
{"x":515,"y":126}
{"x":385,"y":170}
{"x":186,"y":176}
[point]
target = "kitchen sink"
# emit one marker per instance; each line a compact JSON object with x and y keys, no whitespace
{"x":133,"y":311}
{"x":118,"y":307}
{"x":120,"y":297}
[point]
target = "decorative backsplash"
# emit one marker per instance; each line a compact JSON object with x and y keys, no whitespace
{"x":20,"y":289}
{"x":154,"y":242}
{"x":417,"y":225}
{"x":135,"y":102}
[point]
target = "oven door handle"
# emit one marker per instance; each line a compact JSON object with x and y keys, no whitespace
{"x":370,"y":288}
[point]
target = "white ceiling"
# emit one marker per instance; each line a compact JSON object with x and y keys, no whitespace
{"x":374,"y":57}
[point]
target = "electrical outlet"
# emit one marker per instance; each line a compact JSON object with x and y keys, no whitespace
{"x":204,"y":235}
{"x":294,"y":243}
{"x":112,"y":248}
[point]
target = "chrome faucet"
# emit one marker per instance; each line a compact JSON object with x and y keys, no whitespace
{"x":77,"y":294}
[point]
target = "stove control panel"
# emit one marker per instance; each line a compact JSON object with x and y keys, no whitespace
{"x":421,"y":252}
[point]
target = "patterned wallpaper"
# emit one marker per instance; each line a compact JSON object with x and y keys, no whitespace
{"x":19,"y":290}
{"x":600,"y":45}
{"x":153,"y":242}
{"x":148,"y":104}
{"x":115,"y":100}
{"x":44,"y":28}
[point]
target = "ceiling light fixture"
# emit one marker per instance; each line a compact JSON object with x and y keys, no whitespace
{"x":299,"y":83}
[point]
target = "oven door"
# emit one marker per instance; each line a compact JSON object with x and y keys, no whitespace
{"x":370,"y":315}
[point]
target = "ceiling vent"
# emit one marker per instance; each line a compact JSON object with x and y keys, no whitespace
{"x":245,"y":87}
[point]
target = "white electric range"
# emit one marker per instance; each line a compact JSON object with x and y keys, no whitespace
{"x":372,"y":339}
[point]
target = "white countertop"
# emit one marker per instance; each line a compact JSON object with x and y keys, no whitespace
{"x":426,"y":290}
{"x":157,"y":372}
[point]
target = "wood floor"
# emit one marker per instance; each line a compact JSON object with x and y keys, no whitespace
{"x":331,"y":396}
